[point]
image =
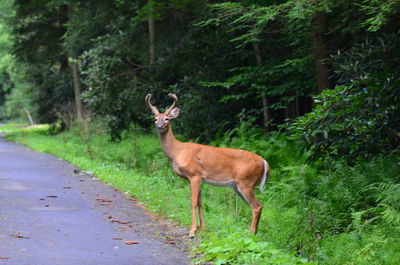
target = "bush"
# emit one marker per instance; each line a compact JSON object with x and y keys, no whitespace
{"x":353,"y":121}
{"x":360,"y":118}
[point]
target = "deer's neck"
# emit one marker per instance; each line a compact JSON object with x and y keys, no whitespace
{"x":169,"y":143}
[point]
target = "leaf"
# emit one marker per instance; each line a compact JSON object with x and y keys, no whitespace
{"x":120,"y":222}
{"x":103,"y":200}
{"x":131,"y":242}
{"x":20,"y":236}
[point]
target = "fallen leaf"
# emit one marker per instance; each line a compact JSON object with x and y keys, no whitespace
{"x":66,"y":187}
{"x":103,"y":200}
{"x":52,"y":196}
{"x":20,"y":236}
{"x":170,"y":242}
{"x":120,"y":222}
{"x":4,"y":257}
{"x":131,"y":242}
{"x":116,"y":238}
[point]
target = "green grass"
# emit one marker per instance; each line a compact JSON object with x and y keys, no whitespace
{"x":311,"y":215}
{"x":11,"y":127}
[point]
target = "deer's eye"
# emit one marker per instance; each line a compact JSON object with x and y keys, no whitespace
{"x":166,"y":119}
{"x":155,"y":120}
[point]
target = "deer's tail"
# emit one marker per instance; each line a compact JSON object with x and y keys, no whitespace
{"x":265,"y":176}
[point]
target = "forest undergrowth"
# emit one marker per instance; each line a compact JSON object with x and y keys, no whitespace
{"x":323,"y":212}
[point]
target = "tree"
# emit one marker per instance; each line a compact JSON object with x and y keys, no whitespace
{"x":152,"y":34}
{"x":320,"y":51}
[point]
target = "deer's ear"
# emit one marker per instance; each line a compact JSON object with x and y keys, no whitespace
{"x":174,"y":113}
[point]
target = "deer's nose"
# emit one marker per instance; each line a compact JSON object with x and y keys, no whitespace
{"x":159,"y":124}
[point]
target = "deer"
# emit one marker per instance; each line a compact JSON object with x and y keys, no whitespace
{"x":240,"y":169}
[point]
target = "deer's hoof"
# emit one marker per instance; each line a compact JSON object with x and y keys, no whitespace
{"x":191,"y":234}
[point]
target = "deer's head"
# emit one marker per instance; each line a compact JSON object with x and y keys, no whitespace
{"x":162,"y":120}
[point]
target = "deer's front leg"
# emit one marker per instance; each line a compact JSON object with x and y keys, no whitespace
{"x":195,"y":186}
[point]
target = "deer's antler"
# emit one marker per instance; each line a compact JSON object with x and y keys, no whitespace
{"x":153,"y":109}
{"x":175,"y":98}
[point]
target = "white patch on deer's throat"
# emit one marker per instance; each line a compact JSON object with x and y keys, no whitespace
{"x":227,"y":183}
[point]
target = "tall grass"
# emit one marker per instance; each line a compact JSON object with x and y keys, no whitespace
{"x":312,"y":213}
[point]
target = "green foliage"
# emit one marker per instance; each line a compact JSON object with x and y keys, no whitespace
{"x":380,"y":12}
{"x":344,"y":124}
{"x":38,"y":83}
{"x":251,"y":19}
{"x":112,"y":89}
{"x":18,"y":101}
{"x":268,"y":80}
{"x":376,"y":247}
{"x":234,"y":248}
{"x":389,"y":200}
{"x":360,"y":118}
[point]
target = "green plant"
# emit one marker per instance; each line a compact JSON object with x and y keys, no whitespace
{"x":361,"y":116}
{"x":235,"y":248}
{"x":389,"y":201}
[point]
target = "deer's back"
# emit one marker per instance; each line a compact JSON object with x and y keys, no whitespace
{"x":219,"y":164}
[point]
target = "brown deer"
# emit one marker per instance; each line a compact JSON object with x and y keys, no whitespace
{"x":197,"y":163}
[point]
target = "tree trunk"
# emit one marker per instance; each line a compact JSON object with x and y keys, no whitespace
{"x":62,"y":21}
{"x":320,"y":52}
{"x":81,"y":119}
{"x":72,"y":63}
{"x":28,"y":114}
{"x":152,"y":35}
{"x":264,"y":99}
{"x":77,"y":88}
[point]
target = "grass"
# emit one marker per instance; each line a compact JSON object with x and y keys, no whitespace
{"x":304,"y":219}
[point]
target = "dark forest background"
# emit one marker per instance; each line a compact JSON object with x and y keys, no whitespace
{"x":263,"y":60}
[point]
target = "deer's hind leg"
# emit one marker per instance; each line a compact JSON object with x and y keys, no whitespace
{"x":247,"y":194}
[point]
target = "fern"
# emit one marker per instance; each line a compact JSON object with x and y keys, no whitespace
{"x":389,"y":200}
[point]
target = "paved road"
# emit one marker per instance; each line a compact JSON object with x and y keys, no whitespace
{"x":52,"y":215}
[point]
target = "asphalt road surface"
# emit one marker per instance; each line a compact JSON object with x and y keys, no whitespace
{"x":53,"y":214}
